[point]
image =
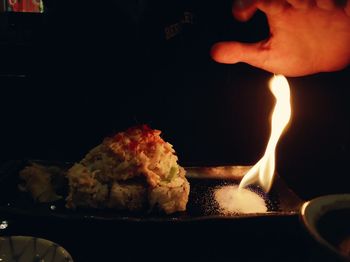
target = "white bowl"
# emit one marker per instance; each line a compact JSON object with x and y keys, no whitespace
{"x":31,"y":249}
{"x":327,"y":220}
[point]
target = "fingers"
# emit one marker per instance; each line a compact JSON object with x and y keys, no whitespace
{"x":300,"y":4}
{"x":330,"y":5}
{"x":347,"y":8}
{"x":243,"y":10}
{"x":233,"y":52}
{"x":272,"y":6}
{"x":326,"y":4}
{"x":322,"y":4}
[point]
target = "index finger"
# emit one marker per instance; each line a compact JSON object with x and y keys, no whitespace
{"x":243,"y":10}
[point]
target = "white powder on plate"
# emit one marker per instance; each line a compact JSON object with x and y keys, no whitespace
{"x":232,"y":200}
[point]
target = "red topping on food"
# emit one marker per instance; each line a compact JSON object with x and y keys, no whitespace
{"x":135,"y":140}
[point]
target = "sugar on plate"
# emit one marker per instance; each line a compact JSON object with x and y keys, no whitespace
{"x":234,"y":200}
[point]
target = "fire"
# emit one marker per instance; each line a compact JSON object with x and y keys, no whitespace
{"x":263,"y":171}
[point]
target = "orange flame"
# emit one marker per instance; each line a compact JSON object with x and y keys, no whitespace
{"x":263,"y":171}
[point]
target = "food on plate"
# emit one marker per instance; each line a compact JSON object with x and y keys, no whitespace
{"x":45,"y":183}
{"x":132,"y":170}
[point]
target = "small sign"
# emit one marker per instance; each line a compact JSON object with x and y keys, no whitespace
{"x":26,"y":6}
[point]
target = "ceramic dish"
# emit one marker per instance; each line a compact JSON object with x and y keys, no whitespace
{"x":327,"y":219}
{"x":31,"y":249}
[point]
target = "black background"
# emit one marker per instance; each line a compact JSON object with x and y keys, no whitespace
{"x":85,"y":70}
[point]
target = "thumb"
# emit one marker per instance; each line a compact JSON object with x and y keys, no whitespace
{"x":256,"y":54}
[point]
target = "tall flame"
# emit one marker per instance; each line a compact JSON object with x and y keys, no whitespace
{"x":263,"y":171}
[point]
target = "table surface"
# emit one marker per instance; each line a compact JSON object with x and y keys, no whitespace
{"x":245,"y":239}
{"x":277,"y":237}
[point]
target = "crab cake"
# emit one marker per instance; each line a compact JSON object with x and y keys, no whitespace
{"x":131,"y":170}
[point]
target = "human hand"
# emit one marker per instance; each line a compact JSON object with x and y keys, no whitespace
{"x":306,"y":37}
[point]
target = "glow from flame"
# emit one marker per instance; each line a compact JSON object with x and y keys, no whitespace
{"x":262,"y":172}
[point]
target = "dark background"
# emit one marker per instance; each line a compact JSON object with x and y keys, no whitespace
{"x":82,"y":71}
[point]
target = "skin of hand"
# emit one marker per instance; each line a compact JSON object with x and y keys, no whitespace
{"x":306,"y":37}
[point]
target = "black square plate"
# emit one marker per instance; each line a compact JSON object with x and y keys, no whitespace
{"x":281,"y":201}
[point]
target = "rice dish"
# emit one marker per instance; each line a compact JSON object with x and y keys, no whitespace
{"x":132,"y":170}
